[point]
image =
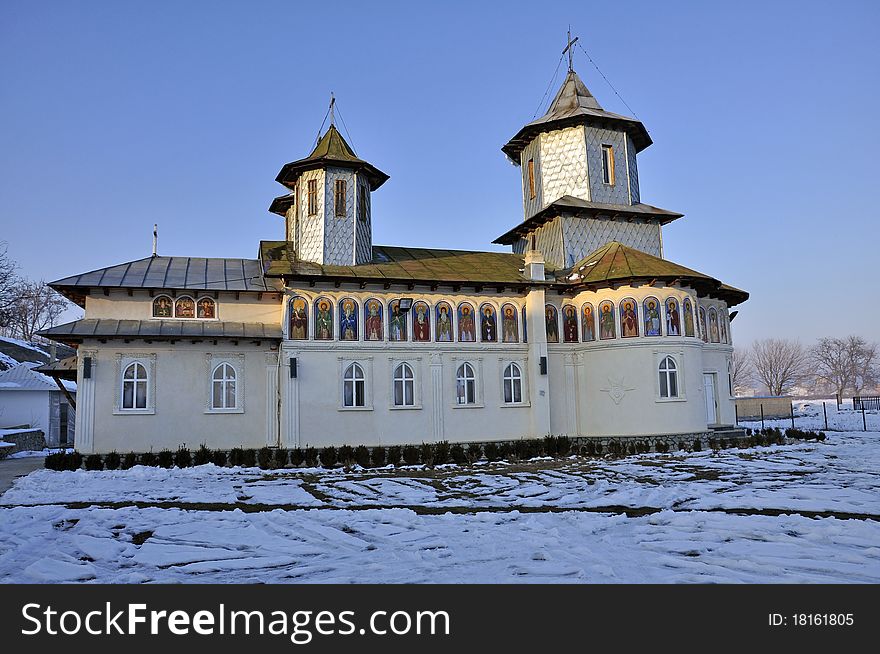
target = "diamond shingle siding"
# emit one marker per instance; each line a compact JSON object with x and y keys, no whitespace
{"x":338,"y":230}
{"x":531,"y":205}
{"x":564,"y":164}
{"x":633,"y":171}
{"x":585,"y":235}
{"x":619,"y":192}
{"x":363,"y":250}
{"x":311,"y":228}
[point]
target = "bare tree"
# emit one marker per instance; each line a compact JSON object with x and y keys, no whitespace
{"x":864,"y":363}
{"x":832,"y":362}
{"x":741,"y":370}
{"x":8,"y":283}
{"x":35,"y":306}
{"x":779,"y":363}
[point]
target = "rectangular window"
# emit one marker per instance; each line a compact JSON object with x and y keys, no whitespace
{"x":340,"y":197}
{"x":608,"y":164}
{"x":362,"y":204}
{"x":313,"y":196}
{"x":532,"y":179}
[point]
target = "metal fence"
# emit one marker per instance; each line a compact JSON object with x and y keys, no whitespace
{"x":868,"y":403}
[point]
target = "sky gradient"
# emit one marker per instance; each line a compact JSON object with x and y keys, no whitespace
{"x":118,"y":115}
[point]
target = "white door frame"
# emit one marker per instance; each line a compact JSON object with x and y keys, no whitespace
{"x":712,"y":378}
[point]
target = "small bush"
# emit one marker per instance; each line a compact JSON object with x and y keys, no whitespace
{"x":297,"y":456}
{"x":563,"y":446}
{"x":551,"y":445}
{"x":410,"y":455}
{"x":713,"y":444}
{"x":474,"y":452}
{"x":378,"y":456}
{"x":394,"y":454}
{"x":819,"y":437}
{"x":345,"y":454}
{"x":280,"y":458}
{"x":265,"y":458}
{"x":149,"y":459}
{"x":201,"y":456}
{"x":590,"y":448}
{"x":661,"y":446}
{"x":129,"y":461}
{"x":54,"y":461}
{"x":311,"y":457}
{"x":698,"y":445}
{"x":112,"y":461}
{"x":183,"y":458}
{"x":329,"y":456}
{"x":631,"y":448}
{"x":441,"y":453}
{"x":249,"y":458}
{"x":426,"y":454}
{"x":504,"y":450}
{"x":362,"y":456}
{"x":219,"y":458}
{"x":236,"y":456}
{"x":681,"y":445}
{"x":492,"y":452}
{"x":457,"y":453}
{"x":165,"y":459}
{"x":94,"y":462}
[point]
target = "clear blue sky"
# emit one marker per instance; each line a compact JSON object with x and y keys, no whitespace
{"x":117,"y":115}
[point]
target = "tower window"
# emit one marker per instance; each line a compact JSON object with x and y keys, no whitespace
{"x":531,"y":179}
{"x":608,"y":164}
{"x":362,"y":204}
{"x":313,"y":196}
{"x":340,"y":197}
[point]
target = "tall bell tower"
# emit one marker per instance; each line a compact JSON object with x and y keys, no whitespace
{"x":328,"y":217}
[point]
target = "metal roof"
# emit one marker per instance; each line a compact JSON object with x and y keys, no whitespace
{"x":575,"y":105}
{"x":76,"y":331}
{"x":332,"y":150}
{"x":181,"y":273}
{"x":584,"y":208}
{"x":402,"y":265}
{"x":23,"y":377}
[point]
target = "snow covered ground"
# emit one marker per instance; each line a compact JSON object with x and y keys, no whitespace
{"x":808,"y":512}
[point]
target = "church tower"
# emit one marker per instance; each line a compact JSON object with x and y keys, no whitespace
{"x":327,"y":212}
{"x":580,"y":181}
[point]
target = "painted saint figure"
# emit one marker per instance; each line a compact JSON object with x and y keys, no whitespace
{"x":652,"y":317}
{"x":162,"y":307}
{"x":373,"y":321}
{"x":396,"y":322}
{"x":299,"y":320}
{"x":421,"y":323}
{"x":629,"y":319}
{"x":508,"y":324}
{"x":587,"y":325}
{"x":714,"y":336}
{"x":444,"y":323}
{"x":185,"y":308}
{"x":723,"y":320}
{"x":703,"y":334}
{"x":206,"y":308}
{"x":673,"y":322}
{"x":688,"y":318}
{"x":348,"y":326}
{"x":552,"y":320}
{"x":323,"y":320}
{"x":488,"y":327}
{"x":569,"y":324}
{"x":606,"y":320}
{"x":467,"y":330}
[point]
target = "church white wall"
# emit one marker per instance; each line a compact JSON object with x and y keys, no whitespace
{"x":118,"y":305}
{"x":179,"y":411}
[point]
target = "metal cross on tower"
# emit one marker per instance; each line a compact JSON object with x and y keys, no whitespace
{"x":569,"y":48}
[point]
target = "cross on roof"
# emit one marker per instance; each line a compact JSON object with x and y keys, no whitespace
{"x":568,"y":49}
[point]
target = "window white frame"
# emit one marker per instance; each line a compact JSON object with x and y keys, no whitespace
{"x":668,"y":378}
{"x":403,"y":385}
{"x":354,"y":386}
{"x":135,"y":387}
{"x":213,"y":362}
{"x":465,"y":385}
{"x":512,"y":385}
{"x":677,"y":356}
{"x":124,"y":362}
{"x":224,"y":394}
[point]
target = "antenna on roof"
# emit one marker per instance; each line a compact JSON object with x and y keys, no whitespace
{"x":332,"y":103}
{"x":155,"y":240}
{"x":568,"y":49}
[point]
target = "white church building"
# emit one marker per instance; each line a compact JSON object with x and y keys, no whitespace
{"x":584,"y":329}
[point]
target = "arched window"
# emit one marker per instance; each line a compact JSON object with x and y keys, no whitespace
{"x":509,"y":327}
{"x":353,"y":386}
{"x":163,"y":307}
{"x":404,"y":385}
{"x":465,"y":385}
{"x":668,"y":378}
{"x":512,"y":384}
{"x":185,"y":307}
{"x":223,"y":393}
{"x":298,"y":329}
{"x":348,"y":320}
{"x":206,"y":308}
{"x":135,"y":386}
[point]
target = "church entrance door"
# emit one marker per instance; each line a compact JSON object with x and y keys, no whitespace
{"x":711,"y":400}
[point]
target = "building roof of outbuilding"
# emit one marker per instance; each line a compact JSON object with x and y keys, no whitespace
{"x":331,"y":150}
{"x":401,"y":265}
{"x":570,"y":205}
{"x":575,"y":105}
{"x":24,"y":377}
{"x":179,"y":273}
{"x":76,"y":331}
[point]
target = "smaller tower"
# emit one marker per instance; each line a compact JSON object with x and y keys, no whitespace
{"x":327,"y":212}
